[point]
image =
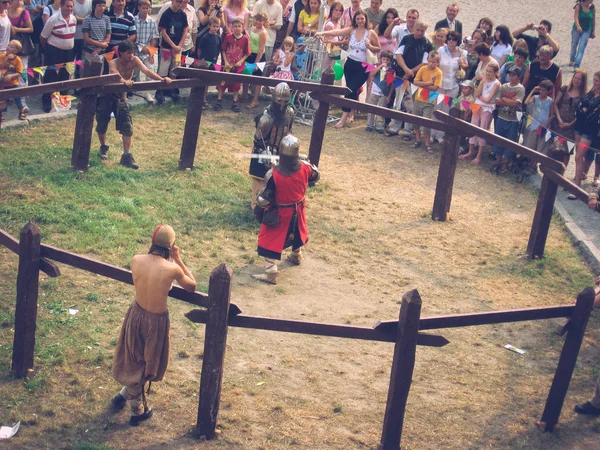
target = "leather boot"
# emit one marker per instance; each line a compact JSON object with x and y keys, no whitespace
{"x":270,"y":278}
{"x":295,"y":258}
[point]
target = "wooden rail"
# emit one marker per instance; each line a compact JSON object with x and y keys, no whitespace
{"x":49,"y":88}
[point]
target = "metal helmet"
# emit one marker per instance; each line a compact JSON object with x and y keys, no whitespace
{"x":289,"y":146}
{"x":282,"y":95}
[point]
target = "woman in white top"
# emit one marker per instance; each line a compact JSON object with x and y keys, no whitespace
{"x":502,"y":46}
{"x":452,"y":58}
{"x":361,"y":40}
{"x":333,"y":23}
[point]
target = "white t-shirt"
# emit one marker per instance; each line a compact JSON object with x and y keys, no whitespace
{"x":273,"y":12}
{"x":398,"y":32}
{"x":449,"y":66}
{"x":59,"y":32}
{"x":5,"y":27}
{"x":81,"y":10}
{"x":498,"y":51}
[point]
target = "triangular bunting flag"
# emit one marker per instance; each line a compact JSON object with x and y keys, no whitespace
{"x":398,"y":83}
{"x":70,"y":68}
{"x":24,"y":75}
{"x":433,"y":96}
{"x":561,"y":140}
{"x":529,"y":121}
{"x":425,"y":94}
{"x":548,"y":135}
{"x":40,"y":70}
{"x":440,"y":98}
{"x":519,"y":115}
{"x":210,"y":63}
{"x":218,"y":67}
{"x":584,"y":147}
{"x":413,"y":89}
{"x":30,"y":72}
{"x":178,"y":59}
{"x":79,"y":63}
{"x":152,"y":50}
{"x":261,"y":66}
{"x":475,"y":107}
{"x":189,"y":61}
{"x":381,"y":75}
{"x":465,"y":104}
{"x":344,"y":54}
{"x":455,"y":101}
{"x":570,"y":145}
{"x":389,"y":79}
{"x":540,"y":130}
{"x":109,"y":56}
{"x":448,"y":99}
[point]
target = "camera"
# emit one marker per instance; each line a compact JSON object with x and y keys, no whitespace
{"x":217,"y":7}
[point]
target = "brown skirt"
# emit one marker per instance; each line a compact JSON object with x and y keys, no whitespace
{"x":142,"y":353}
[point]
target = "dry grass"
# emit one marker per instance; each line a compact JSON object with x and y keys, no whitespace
{"x":371,"y":241}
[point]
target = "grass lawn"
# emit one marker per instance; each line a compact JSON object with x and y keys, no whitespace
{"x":372,"y":240}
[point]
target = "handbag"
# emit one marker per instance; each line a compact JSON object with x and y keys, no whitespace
{"x":271,"y":217}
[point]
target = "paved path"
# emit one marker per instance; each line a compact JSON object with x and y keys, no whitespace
{"x":582,"y":224}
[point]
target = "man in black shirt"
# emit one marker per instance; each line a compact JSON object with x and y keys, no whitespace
{"x":535,"y":42}
{"x":411,"y":54}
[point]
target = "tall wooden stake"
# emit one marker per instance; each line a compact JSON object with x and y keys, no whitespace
{"x":402,"y":370}
{"x":568,"y":358}
{"x":192,"y":128}
{"x":319,"y":123}
{"x":219,"y":292}
{"x":84,"y":125}
{"x":27,"y":296}
{"x":445,"y":179}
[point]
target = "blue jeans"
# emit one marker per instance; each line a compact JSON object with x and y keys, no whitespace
{"x":508,"y":130}
{"x":579,"y":42}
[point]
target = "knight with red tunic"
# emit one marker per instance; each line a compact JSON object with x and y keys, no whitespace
{"x":281,"y":208}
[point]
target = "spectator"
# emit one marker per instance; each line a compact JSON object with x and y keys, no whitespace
{"x":484,"y":54}
{"x":22,"y":28}
{"x":381,"y":91}
{"x":565,"y":107}
{"x":385,"y":43}
{"x":583,"y":29}
{"x":274,"y":12}
{"x":35,"y":8}
{"x":258,"y":41}
{"x":209,"y":46}
{"x":486,"y":25}
{"x":361,"y":40}
{"x":411,"y":54}
{"x":298,"y":65}
{"x":466,"y":95}
{"x":469,"y":45}
{"x":375,"y":14}
{"x":283,"y":59}
{"x":308,"y":20}
{"x":280,"y":35}
{"x":10,"y":73}
{"x":131,"y":6}
{"x":349,"y":13}
{"x":540,"y":108}
{"x":292,"y":29}
{"x":81,"y":10}
{"x":508,"y":103}
{"x":438,"y":38}
{"x":543,"y":69}
{"x":235,"y":9}
{"x":502,"y":46}
{"x":450,"y":21}
{"x":397,"y":30}
{"x":57,"y":38}
{"x":188,"y":48}
{"x":428,"y":77}
{"x":122,"y":24}
{"x":519,"y":61}
{"x":208,"y":9}
{"x":147,"y":36}
{"x":587,"y":126}
{"x":96,"y":31}
{"x":543,"y":38}
{"x":333,"y":23}
{"x":174,"y":28}
{"x":51,"y":9}
{"x":485,"y":95}
{"x":235,"y":50}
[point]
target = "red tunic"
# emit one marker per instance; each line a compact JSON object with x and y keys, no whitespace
{"x":292,"y":229}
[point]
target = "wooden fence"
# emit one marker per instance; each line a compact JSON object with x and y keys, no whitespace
{"x":406,"y":332}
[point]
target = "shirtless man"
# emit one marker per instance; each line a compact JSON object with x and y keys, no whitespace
{"x":117,"y":103}
{"x":142,"y":353}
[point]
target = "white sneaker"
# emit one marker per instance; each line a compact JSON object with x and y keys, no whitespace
{"x":149,"y":98}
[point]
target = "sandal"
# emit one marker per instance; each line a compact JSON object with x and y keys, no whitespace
{"x":388,"y":133}
{"x":416,"y":144}
{"x":22,"y":116}
{"x":429,"y":149}
{"x":252,"y":105}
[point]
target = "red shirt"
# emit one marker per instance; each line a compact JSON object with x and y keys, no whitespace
{"x":235,"y":49}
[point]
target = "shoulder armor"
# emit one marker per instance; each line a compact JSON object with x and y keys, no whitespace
{"x":268,"y":175}
{"x":314,"y":175}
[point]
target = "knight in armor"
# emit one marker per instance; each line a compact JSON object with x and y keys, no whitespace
{"x":271,"y":126}
{"x":281,"y":206}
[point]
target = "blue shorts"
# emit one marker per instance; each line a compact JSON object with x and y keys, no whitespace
{"x":589,"y":137}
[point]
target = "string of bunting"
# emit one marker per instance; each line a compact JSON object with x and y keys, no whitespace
{"x":427,"y":95}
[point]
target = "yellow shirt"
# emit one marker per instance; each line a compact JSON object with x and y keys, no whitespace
{"x":308,"y":18}
{"x":426,"y":75}
{"x":10,"y":67}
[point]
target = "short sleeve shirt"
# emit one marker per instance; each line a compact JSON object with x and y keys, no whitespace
{"x":174,"y":23}
{"x":122,"y":27}
{"x":210,"y":47}
{"x":97,"y":28}
{"x":15,"y":66}
{"x":235,"y":49}
{"x":509,"y":113}
{"x":426,"y":75}
{"x":414,"y":51}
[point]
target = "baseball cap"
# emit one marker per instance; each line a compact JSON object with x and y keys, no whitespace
{"x":467,"y":83}
{"x":301,"y":41}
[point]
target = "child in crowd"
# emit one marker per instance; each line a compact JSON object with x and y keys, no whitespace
{"x":466,"y":95}
{"x":482,"y":117}
{"x":258,"y":42}
{"x":381,"y":92}
{"x":10,"y":72}
{"x":96,"y":30}
{"x":428,"y":77}
{"x":147,"y":36}
{"x":540,"y":108}
{"x":174,"y":28}
{"x":299,"y":58}
{"x":209,"y":47}
{"x":283,"y":60}
{"x":235,"y":50}
{"x":508,"y":103}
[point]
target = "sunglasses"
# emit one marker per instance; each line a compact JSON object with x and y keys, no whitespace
{"x":452,"y":39}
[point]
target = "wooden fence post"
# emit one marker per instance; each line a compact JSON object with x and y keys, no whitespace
{"x":320,"y":122}
{"x":445,"y":179}
{"x":568,"y":358}
{"x":84,"y":125}
{"x":402,"y":370}
{"x":27,"y":296}
{"x":542,"y":218}
{"x":192,"y":128}
{"x":219,"y":292}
